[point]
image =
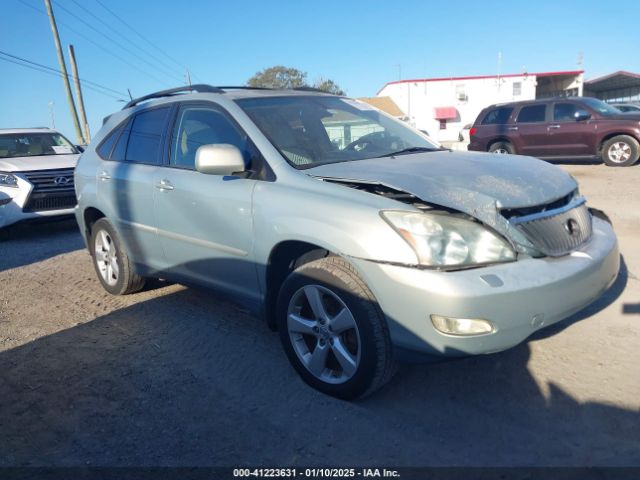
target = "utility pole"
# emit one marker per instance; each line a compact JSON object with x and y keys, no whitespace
{"x":188,"y":77}
{"x":63,"y":69}
{"x":52,"y":115}
{"x":76,"y":81}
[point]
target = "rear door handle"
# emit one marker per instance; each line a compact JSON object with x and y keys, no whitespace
{"x":512,"y":129}
{"x":164,"y":185}
{"x":104,"y":176}
{"x":554,"y":127}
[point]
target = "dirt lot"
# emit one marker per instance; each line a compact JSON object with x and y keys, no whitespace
{"x":179,"y":376}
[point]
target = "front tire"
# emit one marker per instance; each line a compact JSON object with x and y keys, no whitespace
{"x":620,"y":151}
{"x":111,"y":260}
{"x":502,"y":148}
{"x":333,"y":330}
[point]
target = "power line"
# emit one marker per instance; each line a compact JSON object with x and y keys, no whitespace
{"x":97,"y":45}
{"x":142,"y":36}
{"x":114,"y":41}
{"x":58,"y":71}
{"x":110,"y":27}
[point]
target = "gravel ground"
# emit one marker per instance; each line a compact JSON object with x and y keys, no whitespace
{"x":177,"y":376}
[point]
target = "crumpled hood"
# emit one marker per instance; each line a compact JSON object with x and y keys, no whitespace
{"x":478,"y":184}
{"x":39,"y":162}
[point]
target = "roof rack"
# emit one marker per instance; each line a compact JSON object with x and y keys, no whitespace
{"x":200,"y":88}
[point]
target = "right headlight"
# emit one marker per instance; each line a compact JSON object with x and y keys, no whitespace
{"x":8,"y":180}
{"x":445,"y":240}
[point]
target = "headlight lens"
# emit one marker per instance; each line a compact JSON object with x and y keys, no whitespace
{"x":444,"y":240}
{"x":8,"y":180}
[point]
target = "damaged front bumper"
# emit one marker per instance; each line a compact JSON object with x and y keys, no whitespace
{"x":518,"y":298}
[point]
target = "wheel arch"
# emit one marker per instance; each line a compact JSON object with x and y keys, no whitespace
{"x":284,"y":258}
{"x":497,"y":140}
{"x":90,"y":216}
{"x":617,"y":133}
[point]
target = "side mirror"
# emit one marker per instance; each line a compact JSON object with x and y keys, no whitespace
{"x":80,"y":148}
{"x":581,"y":115}
{"x":219,"y":159}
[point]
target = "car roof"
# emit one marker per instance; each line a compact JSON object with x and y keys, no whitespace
{"x":9,"y":131}
{"x":535,"y":101}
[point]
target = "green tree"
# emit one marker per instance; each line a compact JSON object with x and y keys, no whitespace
{"x":285,"y":77}
{"x":279,"y":77}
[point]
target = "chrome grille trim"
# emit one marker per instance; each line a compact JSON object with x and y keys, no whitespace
{"x":44,"y":180}
{"x":47,"y":194}
{"x":558,"y":232}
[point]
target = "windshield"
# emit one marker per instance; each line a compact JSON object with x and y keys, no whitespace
{"x":602,"y":108}
{"x":311,"y":131}
{"x":34,"y":144}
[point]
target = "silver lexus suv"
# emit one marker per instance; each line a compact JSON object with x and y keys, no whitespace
{"x":36,"y":175}
{"x":355,"y":237}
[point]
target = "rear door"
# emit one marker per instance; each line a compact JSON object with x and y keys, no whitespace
{"x":125,"y":184}
{"x":205,"y":222}
{"x":532,"y":130}
{"x":567,"y":136}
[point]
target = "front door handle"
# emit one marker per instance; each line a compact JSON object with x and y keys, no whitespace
{"x":164,"y":185}
{"x":555,"y":127}
{"x":104,"y":176}
{"x":512,"y":129}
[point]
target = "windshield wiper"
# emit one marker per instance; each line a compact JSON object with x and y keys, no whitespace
{"x":406,"y":151}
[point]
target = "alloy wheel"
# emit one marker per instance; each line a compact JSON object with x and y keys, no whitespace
{"x":106,"y":257}
{"x":619,"y":152}
{"x":324,"y":334}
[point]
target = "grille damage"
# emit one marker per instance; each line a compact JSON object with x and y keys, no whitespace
{"x":557,"y":232}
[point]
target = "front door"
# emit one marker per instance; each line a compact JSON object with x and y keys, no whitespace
{"x":567,"y":136}
{"x":205,"y":222}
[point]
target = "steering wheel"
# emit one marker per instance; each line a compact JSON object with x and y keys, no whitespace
{"x":368,"y":141}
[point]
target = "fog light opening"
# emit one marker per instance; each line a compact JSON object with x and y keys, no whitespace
{"x":462,"y":326}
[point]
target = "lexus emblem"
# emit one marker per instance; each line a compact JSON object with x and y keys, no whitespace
{"x":61,"y":180}
{"x":572,"y":227}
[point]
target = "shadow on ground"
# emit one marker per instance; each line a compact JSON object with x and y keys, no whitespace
{"x":189,"y":379}
{"x":33,"y":242}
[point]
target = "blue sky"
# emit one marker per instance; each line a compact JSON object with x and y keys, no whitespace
{"x":359,"y":44}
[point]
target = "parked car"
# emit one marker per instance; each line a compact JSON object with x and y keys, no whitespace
{"x":358,"y":255}
{"x":464,"y":135}
{"x":559,"y":128}
{"x":627,"y":107}
{"x":36,"y":175}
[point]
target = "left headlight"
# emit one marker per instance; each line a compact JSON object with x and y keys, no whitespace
{"x":8,"y":180}
{"x":444,"y":240}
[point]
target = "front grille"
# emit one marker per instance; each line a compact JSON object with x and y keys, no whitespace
{"x":560,"y":233}
{"x":49,"y":201}
{"x":52,"y":190}
{"x":60,"y":180}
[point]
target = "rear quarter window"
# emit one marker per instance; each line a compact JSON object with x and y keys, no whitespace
{"x":497,"y":116}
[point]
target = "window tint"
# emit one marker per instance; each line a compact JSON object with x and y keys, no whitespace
{"x":497,"y":116}
{"x":532,"y":113}
{"x":145,"y":140}
{"x":197,"y":126}
{"x":104,"y":150}
{"x":564,"y":112}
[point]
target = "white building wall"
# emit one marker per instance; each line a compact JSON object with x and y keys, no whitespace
{"x":419,"y":99}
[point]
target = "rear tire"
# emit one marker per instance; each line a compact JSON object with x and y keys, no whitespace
{"x":501,"y":148}
{"x":620,"y":151}
{"x":111,"y":260}
{"x":333,"y":330}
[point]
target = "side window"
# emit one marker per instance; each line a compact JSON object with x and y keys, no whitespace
{"x":104,"y":150}
{"x":532,"y":114}
{"x":497,"y":116}
{"x":564,"y":112}
{"x":197,"y":126}
{"x":145,"y":140}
